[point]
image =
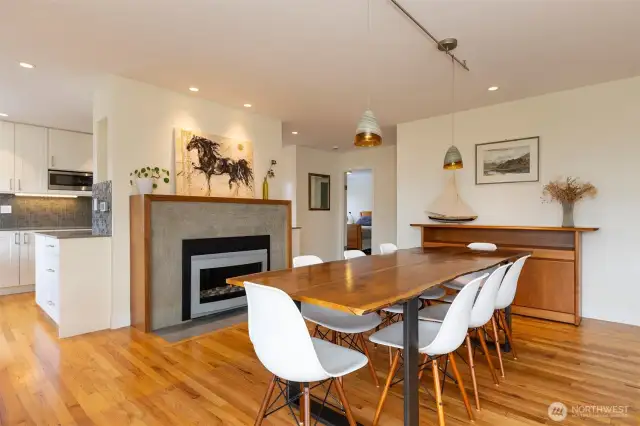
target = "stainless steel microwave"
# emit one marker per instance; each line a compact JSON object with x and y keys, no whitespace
{"x":66,"y":180}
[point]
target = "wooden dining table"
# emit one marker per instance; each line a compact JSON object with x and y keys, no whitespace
{"x":371,"y":283}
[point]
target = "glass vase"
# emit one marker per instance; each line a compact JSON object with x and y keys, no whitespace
{"x":265,"y":189}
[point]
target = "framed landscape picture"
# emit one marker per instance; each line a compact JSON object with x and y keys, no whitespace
{"x":515,"y":160}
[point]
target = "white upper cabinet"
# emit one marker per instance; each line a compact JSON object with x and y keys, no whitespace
{"x":30,"y":159}
{"x":70,"y":151}
{"x":6,"y":156}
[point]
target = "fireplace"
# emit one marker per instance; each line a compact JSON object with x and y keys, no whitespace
{"x":206,"y":265}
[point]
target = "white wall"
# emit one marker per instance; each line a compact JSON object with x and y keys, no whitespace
{"x":141,"y":121}
{"x":322,"y":232}
{"x":359,"y":192}
{"x":592,"y":133}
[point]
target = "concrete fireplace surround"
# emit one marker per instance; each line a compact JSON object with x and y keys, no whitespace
{"x":159,"y":223}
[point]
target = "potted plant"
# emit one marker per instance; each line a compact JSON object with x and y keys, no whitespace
{"x":146,"y":178}
{"x":265,"y":183}
{"x":567,"y":192}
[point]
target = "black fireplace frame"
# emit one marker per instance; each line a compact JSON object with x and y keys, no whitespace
{"x":203,"y":246}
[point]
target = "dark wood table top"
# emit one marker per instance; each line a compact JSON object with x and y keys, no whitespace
{"x":367,"y":284}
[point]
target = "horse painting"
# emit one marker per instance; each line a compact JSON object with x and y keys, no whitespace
{"x":208,"y":158}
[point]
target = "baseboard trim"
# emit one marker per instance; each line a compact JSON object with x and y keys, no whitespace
{"x":17,"y":290}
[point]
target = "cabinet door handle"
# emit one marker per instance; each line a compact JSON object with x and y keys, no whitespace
{"x":53,"y":161}
{"x":19,"y":185}
{"x":16,"y":239}
{"x":50,"y":303}
{"x":25,"y":239}
{"x":50,"y":270}
{"x":49,"y":245}
{"x":10,"y":184}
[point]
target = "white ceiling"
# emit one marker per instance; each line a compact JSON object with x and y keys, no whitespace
{"x":306,"y":62}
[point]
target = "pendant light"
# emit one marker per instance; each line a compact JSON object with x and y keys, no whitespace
{"x":453,"y":158}
{"x":368,"y":132}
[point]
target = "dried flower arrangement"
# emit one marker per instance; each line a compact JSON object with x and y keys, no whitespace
{"x":570,"y":190}
{"x":567,"y":192}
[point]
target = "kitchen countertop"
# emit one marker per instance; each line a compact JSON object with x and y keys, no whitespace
{"x":63,"y":235}
{"x":48,"y":228}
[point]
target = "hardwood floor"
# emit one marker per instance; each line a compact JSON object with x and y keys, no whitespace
{"x":126,"y":377}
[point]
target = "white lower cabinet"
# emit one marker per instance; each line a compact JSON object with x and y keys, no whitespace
{"x":9,"y":259}
{"x":73,"y":282}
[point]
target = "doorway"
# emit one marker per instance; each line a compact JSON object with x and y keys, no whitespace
{"x":359,"y":208}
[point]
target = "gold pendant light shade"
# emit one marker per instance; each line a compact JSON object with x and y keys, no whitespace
{"x":368,"y":133}
{"x":452,"y":159}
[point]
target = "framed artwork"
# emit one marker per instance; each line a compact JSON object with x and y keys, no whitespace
{"x":319,"y":192}
{"x":213,"y":166}
{"x":510,"y":161}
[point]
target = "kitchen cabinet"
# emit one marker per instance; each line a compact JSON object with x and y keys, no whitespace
{"x":70,"y":151}
{"x":73,"y":282}
{"x":30,"y":159}
{"x":27,"y":258}
{"x":7,"y":131}
{"x":9,"y":259}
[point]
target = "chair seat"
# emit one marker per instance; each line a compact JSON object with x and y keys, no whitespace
{"x":395,"y":309}
{"x":341,"y":322}
{"x":434,"y":312}
{"x":449,"y":298}
{"x":393,"y":336}
{"x":336,"y":360}
{"x":433,"y":294}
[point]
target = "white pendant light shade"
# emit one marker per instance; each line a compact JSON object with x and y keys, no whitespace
{"x":368,"y":133}
{"x":452,"y":159}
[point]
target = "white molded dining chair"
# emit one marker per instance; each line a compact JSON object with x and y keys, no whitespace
{"x":352,"y":254}
{"x":345,"y":327}
{"x":458,"y":283}
{"x":282,"y":343}
{"x":481,"y":315}
{"x":506,"y":295}
{"x":435,"y":340}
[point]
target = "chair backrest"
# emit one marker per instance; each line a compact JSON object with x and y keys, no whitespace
{"x":485,"y":303}
{"x":352,"y":254}
{"x":455,"y":325}
{"x":387,"y":248}
{"x":280,"y":336}
{"x":507,"y":291}
{"x":306,"y":260}
{"x":483,"y":246}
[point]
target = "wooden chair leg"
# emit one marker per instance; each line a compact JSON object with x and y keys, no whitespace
{"x":387,"y":385}
{"x":436,"y":389}
{"x":315,"y":331}
{"x":472,"y":370}
{"x":463,"y":391}
{"x":425,"y":358}
{"x":265,"y":401}
{"x":372,"y":370}
{"x":496,"y":337}
{"x":485,"y":349}
{"x":507,"y":330}
{"x":307,"y":406}
{"x":345,"y":403}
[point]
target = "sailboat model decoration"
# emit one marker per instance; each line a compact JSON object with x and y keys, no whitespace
{"x":449,"y":206}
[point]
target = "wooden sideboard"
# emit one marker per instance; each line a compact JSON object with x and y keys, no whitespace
{"x":550,"y":284}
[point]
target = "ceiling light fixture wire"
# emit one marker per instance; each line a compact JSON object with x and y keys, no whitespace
{"x":462,"y":63}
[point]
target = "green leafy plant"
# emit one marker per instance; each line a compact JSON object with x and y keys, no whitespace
{"x":154,"y":173}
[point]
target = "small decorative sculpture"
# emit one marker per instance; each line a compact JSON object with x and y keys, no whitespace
{"x":567,"y":192}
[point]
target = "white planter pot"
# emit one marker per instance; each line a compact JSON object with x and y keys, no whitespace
{"x":145,"y":185}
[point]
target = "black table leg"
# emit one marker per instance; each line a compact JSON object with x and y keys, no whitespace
{"x":325,"y":415}
{"x":411,"y":363}
{"x":507,"y":343}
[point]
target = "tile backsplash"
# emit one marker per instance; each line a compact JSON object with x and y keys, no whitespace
{"x":101,"y":224}
{"x":44,"y":212}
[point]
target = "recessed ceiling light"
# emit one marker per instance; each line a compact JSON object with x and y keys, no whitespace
{"x":26,"y":65}
{"x":294,"y":133}
{"x":493,"y":88}
{"x":335,"y":147}
{"x":247,"y":105}
{"x":2,"y":114}
{"x":194,"y":89}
